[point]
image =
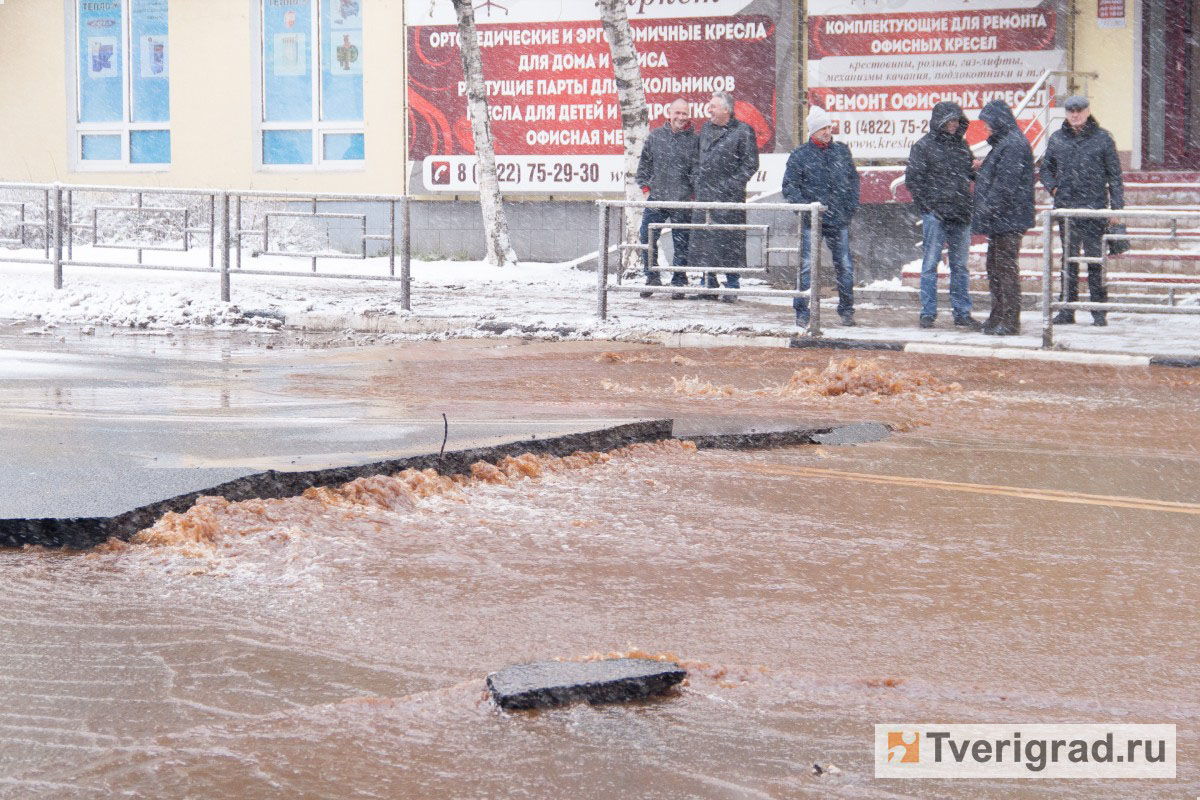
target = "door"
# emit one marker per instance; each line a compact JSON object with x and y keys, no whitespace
{"x":1171,"y":84}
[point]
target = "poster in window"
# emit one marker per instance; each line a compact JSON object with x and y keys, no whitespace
{"x":290,"y":55}
{"x":347,"y":53}
{"x":346,"y":15}
{"x":154,"y":57}
{"x":102,"y":57}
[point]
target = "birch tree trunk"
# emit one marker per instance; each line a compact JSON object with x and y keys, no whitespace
{"x":495,"y":223}
{"x":635,"y":116}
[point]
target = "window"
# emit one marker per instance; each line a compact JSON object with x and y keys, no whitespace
{"x":122,"y":107}
{"x":311,"y":70}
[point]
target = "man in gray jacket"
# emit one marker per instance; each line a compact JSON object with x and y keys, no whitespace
{"x":1081,"y":170}
{"x":665,"y":173}
{"x":728,"y":159}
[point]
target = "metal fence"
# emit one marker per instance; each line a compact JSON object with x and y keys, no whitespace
{"x":209,"y":222}
{"x":1065,"y":215}
{"x":812,"y":210}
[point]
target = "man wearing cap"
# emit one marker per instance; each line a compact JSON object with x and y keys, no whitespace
{"x":939,"y":176}
{"x":665,"y":173}
{"x":1003,"y":212}
{"x":822,"y":171}
{"x":727,"y":158}
{"x":1081,"y":170}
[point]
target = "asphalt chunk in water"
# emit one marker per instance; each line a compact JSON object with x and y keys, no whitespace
{"x":552,"y":683}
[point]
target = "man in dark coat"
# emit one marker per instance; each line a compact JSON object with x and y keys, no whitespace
{"x":1003,"y":212}
{"x":822,"y":171}
{"x":727,"y":160}
{"x":665,"y":173}
{"x":939,"y":176}
{"x":1081,"y":170}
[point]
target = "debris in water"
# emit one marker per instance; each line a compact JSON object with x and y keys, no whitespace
{"x":552,"y":683}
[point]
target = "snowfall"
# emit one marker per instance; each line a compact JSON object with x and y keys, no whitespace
{"x":454,"y":299}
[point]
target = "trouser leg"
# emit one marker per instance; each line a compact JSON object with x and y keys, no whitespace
{"x":801,"y":303}
{"x":679,"y":240}
{"x":650,"y":216}
{"x":932,"y":239}
{"x":1008,"y":264}
{"x":958,"y":246}
{"x":843,"y":269}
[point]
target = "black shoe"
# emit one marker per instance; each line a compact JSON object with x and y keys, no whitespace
{"x":847,"y":320}
{"x":1100,"y":319}
{"x":926,"y":322}
{"x":678,"y":296}
{"x":1063,"y":318}
{"x":968,"y":322}
{"x":729,"y":298}
{"x":653,"y":280}
{"x":802,"y":320}
{"x":1000,"y":330}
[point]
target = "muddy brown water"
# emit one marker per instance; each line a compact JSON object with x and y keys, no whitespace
{"x":1023,"y":549}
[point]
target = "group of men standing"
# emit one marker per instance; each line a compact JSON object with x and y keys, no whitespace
{"x":956,"y":194}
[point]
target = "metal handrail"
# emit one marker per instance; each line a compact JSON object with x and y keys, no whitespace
{"x":1049,"y":305}
{"x":814,"y":228}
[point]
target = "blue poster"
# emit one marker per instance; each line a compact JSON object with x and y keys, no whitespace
{"x":101,"y":55}
{"x":150,"y":69}
{"x":342,"y":64}
{"x":287,"y":59}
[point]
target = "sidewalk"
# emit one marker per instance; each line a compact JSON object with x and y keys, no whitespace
{"x":553,"y":301}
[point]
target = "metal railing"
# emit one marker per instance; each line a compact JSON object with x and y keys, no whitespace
{"x":812,"y":210}
{"x":1050,"y":305}
{"x":216,"y":218}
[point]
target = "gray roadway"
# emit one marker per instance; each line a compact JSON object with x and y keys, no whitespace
{"x":98,"y":425}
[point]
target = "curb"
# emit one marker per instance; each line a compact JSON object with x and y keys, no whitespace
{"x":80,"y":533}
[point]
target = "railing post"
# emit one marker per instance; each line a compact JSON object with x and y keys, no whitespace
{"x":225,"y":294}
{"x":814,"y":273}
{"x":57,"y":230}
{"x":602,"y":264}
{"x":1047,"y":272}
{"x":405,"y":255}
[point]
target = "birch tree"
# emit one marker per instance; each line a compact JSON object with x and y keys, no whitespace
{"x":635,"y":116}
{"x":495,"y":223}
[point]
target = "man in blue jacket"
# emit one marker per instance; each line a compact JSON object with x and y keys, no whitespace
{"x":822,"y":171}
{"x":1003,"y":212}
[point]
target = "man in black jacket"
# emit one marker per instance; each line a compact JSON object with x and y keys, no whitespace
{"x":939,"y":178}
{"x":1003,"y":212}
{"x":665,"y":173}
{"x":822,"y":171}
{"x":1081,"y":170}
{"x":727,"y":160}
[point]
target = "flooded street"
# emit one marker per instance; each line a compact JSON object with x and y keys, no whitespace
{"x":1023,"y":548}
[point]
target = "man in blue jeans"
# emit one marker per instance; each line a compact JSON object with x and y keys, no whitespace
{"x":822,"y":171}
{"x":939,"y":176}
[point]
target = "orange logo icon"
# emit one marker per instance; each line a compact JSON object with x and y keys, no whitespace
{"x":903,"y":747}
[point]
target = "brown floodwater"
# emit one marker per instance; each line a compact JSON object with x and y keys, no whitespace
{"x":1024,"y":548}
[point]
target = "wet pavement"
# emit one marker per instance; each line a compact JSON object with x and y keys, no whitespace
{"x":1021,"y":549}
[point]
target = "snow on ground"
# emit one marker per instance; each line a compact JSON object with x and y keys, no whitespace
{"x":465,"y":298}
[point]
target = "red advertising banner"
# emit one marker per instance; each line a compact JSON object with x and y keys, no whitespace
{"x":1110,"y":13}
{"x":880,"y":73}
{"x":551,"y":90}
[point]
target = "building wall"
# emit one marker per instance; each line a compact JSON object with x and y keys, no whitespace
{"x":1110,"y":52}
{"x":212,"y":113}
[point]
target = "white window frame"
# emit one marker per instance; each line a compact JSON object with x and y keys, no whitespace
{"x":77,"y":129}
{"x":316,"y":125}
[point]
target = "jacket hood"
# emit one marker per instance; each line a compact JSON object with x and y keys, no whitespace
{"x":999,"y":117}
{"x":947,"y":111}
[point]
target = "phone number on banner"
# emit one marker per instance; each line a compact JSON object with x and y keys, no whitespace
{"x":548,"y":174}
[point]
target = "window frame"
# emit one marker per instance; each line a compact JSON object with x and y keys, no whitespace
{"x":78,"y":129}
{"x":315,"y":125}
